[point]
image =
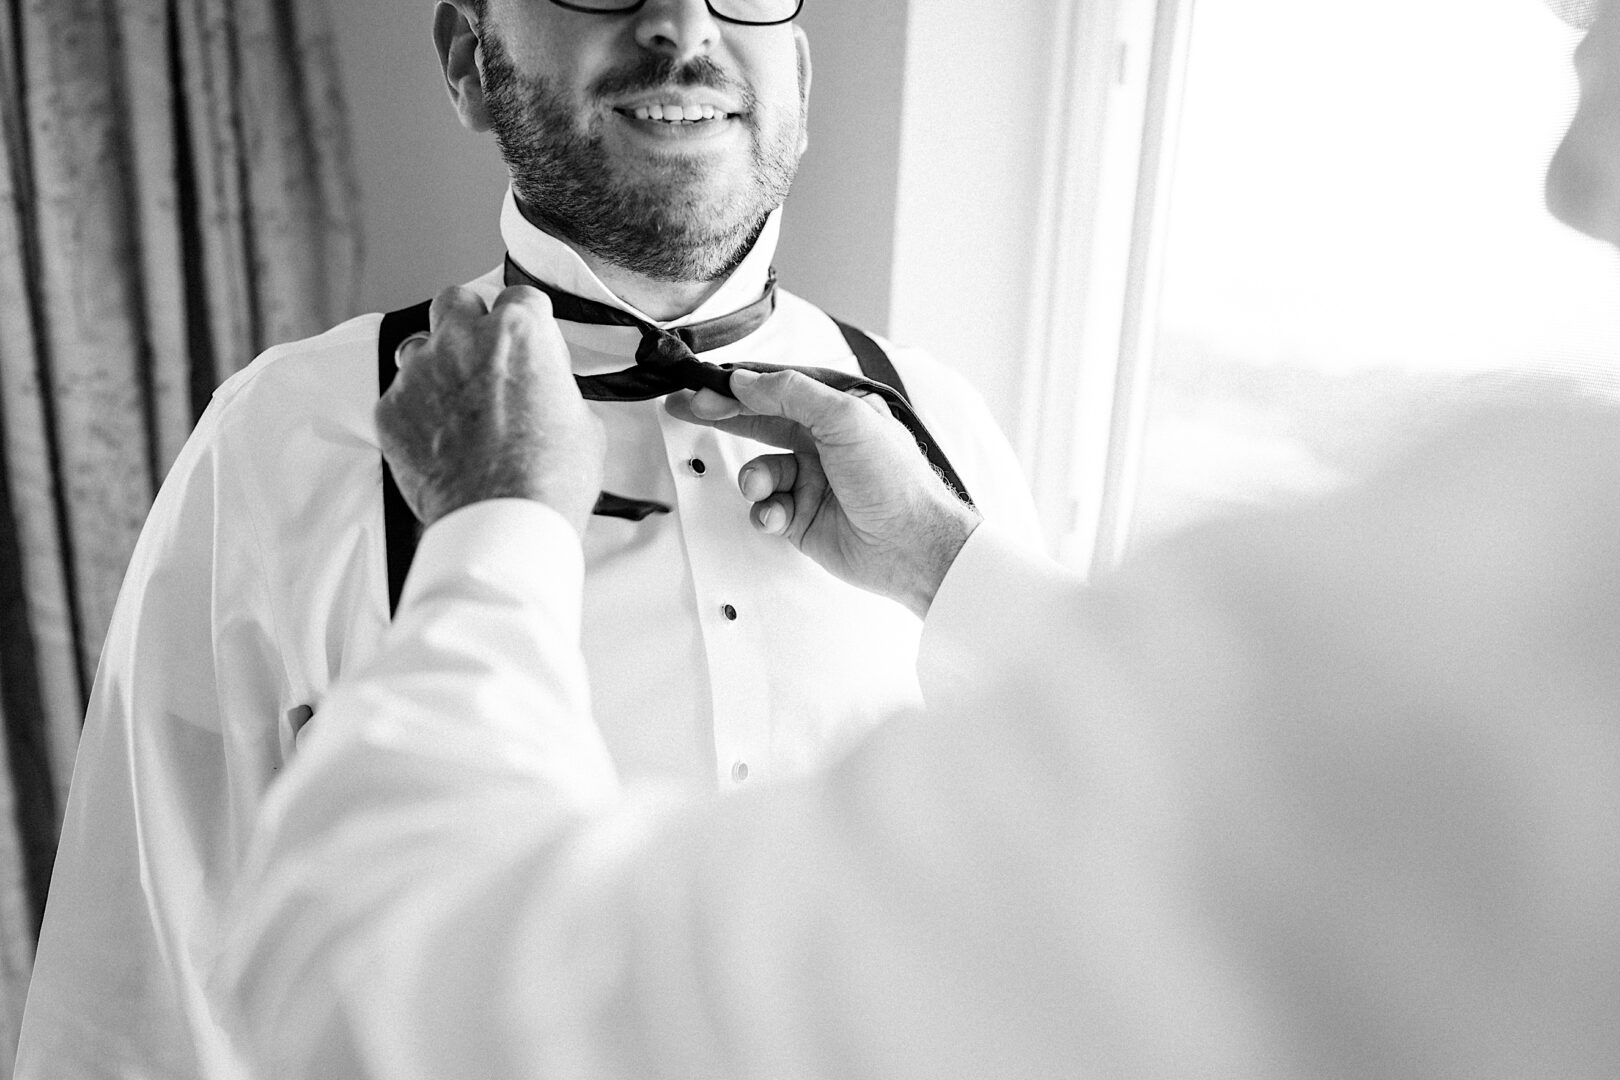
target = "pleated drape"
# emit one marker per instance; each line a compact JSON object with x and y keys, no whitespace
{"x":176,"y":194}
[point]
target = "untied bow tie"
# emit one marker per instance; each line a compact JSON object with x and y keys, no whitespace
{"x":666,"y":361}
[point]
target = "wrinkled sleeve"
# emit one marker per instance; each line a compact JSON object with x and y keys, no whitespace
{"x":161,"y":799}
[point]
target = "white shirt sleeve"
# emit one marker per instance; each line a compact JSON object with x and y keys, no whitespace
{"x":466,"y":743}
{"x":162,"y":798}
{"x":1291,"y":796}
{"x":450,"y":881}
{"x":995,"y":610}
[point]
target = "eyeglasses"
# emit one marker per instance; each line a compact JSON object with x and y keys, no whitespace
{"x":743,"y":12}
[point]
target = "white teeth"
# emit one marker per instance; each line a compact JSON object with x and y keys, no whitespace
{"x":674,"y":114}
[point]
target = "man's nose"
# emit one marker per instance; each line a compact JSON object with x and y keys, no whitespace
{"x":678,"y":29}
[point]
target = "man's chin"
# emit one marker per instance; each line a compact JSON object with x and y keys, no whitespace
{"x":706,"y":258}
{"x":682,"y":179}
{"x":695,"y":209}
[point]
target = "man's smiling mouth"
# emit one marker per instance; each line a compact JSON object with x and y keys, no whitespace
{"x":673,"y":113}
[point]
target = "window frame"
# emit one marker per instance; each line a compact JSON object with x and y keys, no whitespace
{"x":1116,"y":93}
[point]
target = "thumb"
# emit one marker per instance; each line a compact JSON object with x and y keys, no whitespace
{"x":829,"y":415}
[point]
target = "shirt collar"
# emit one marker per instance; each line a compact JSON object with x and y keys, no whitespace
{"x":555,"y":263}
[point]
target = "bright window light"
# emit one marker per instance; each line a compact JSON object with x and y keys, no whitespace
{"x":1356,"y":224}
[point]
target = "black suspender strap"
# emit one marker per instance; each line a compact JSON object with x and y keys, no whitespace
{"x":400,"y":529}
{"x":875,"y":363}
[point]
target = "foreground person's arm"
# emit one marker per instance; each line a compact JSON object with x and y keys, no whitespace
{"x":450,"y":882}
{"x":447,"y":763}
{"x":1297,"y":797}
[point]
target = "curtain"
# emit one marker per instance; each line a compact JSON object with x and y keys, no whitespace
{"x":176,"y":194}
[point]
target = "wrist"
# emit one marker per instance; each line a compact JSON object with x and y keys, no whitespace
{"x":572,"y":506}
{"x":940,"y":546}
{"x":568,"y":487}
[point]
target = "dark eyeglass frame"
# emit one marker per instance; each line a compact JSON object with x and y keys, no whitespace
{"x":637,"y":5}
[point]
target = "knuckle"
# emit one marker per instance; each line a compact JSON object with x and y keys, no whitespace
{"x":511,"y":318}
{"x":455,"y":297}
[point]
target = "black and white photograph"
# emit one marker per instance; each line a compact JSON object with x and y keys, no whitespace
{"x":810,"y":540}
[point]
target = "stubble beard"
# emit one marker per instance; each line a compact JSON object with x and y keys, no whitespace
{"x":670,"y":222}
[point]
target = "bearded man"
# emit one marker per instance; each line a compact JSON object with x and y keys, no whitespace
{"x":650,"y":144}
{"x":1326,"y":789}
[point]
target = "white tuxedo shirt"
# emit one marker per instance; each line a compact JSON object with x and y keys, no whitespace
{"x":260,"y":578}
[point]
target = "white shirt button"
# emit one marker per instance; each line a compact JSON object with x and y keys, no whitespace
{"x":739,"y":772}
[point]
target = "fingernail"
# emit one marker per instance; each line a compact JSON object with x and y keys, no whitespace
{"x":743,"y":377}
{"x":774,"y":518}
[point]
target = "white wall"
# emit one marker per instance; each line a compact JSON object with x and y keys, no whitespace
{"x":974,"y":121}
{"x":431,"y":191}
{"x":912,"y":214}
{"x":838,"y":233}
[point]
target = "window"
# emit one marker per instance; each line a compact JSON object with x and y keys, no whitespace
{"x":1335,"y":217}
{"x":1356,"y":224}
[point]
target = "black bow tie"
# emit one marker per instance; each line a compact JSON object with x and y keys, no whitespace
{"x":666,"y":361}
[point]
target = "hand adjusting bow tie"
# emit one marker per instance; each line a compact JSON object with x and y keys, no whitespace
{"x":666,"y":361}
